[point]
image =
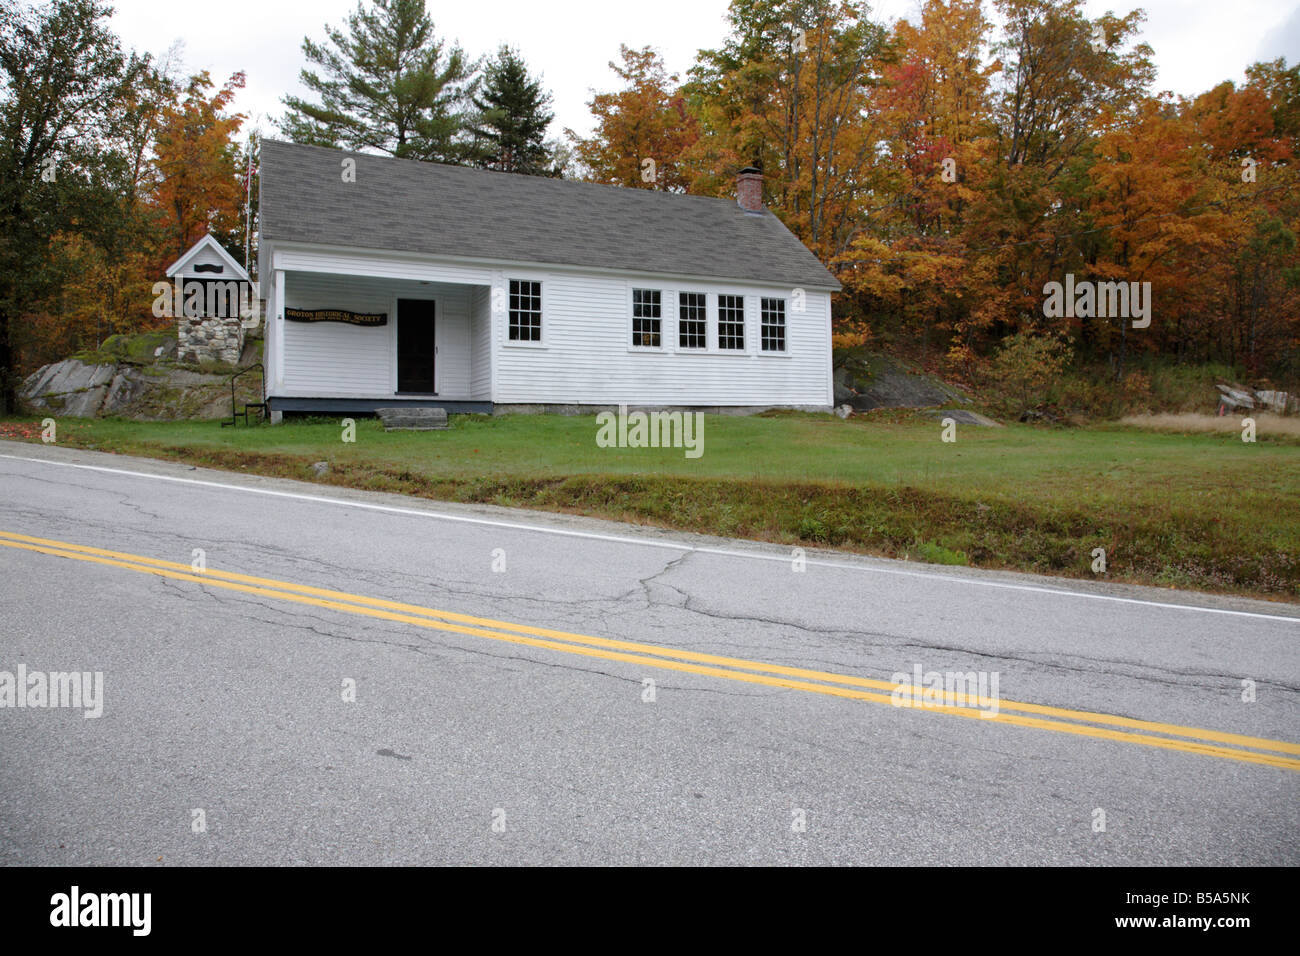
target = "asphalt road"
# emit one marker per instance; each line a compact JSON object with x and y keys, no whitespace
{"x":525,"y":731}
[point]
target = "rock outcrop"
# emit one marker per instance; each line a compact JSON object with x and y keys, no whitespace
{"x":137,"y":377}
{"x":867,"y":381}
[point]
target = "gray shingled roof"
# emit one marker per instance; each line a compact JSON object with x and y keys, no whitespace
{"x":409,"y":206}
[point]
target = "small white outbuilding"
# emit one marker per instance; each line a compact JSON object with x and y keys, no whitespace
{"x":213,"y":301}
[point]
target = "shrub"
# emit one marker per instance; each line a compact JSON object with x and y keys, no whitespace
{"x":1024,"y":367}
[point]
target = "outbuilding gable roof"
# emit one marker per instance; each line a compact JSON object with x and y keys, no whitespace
{"x":408,"y":206}
{"x":233,"y":270}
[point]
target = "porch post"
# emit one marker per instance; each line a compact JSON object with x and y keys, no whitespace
{"x":277,"y":340}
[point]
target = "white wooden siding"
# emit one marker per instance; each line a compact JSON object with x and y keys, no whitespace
{"x":452,"y":338}
{"x":207,"y":256}
{"x":587,"y":355}
{"x":480,"y":387}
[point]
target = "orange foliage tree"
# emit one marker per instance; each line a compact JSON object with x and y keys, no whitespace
{"x":642,"y":130}
{"x":197,"y":188}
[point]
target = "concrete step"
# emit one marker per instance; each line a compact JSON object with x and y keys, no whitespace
{"x":412,"y":419}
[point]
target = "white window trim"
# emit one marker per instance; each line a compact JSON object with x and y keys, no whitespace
{"x":767,"y":353}
{"x":677,"y":320}
{"x":523,"y":276}
{"x":717,"y":324}
{"x":666,"y":294}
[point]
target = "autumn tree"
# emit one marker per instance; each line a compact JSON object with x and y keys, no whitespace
{"x":789,"y":92}
{"x":65,"y":160}
{"x":910,"y":257}
{"x":181,"y":179}
{"x":1058,"y":73}
{"x":935,"y":107}
{"x":198,"y":162}
{"x":1249,"y":139}
{"x":642,"y":130}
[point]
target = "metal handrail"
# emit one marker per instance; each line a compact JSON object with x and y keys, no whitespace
{"x":234,"y":405}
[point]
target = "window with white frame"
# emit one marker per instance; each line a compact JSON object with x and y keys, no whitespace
{"x":731,"y":322}
{"x":647,"y":318}
{"x":525,"y":311}
{"x":771,"y":325}
{"x":692,"y":320}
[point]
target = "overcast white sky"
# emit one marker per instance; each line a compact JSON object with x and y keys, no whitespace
{"x":1197,"y":43}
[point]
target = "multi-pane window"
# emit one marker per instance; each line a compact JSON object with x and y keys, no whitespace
{"x":647,"y":318}
{"x":525,"y":311}
{"x":731,"y":322}
{"x":692,"y":321}
{"x":772,"y":325}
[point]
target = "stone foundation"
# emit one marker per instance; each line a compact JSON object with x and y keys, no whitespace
{"x":204,"y":341}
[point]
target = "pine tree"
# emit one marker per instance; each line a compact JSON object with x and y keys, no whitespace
{"x":387,"y":87}
{"x":514,"y":115}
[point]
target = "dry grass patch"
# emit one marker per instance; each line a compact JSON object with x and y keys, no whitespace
{"x":1266,"y":423}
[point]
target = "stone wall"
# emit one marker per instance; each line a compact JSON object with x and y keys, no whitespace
{"x":207,"y":340}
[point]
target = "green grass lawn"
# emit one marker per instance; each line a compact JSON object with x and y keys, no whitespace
{"x":1184,"y":510}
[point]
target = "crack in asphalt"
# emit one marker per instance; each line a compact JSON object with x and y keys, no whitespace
{"x":123,"y":497}
{"x":1110,"y":667}
{"x":285,"y":619}
{"x":283,"y":616}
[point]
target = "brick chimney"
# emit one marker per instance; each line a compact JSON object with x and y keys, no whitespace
{"x":749,"y":190}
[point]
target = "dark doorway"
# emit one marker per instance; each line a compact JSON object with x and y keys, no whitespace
{"x":415,"y":348}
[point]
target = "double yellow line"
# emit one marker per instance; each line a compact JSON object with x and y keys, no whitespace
{"x":1210,"y":743}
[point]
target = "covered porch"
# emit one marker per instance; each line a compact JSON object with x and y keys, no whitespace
{"x":354,"y":341}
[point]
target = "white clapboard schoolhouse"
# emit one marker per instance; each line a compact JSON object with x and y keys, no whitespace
{"x":391,"y":282}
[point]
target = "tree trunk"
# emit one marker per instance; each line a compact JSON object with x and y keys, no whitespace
{"x":1123,"y":348}
{"x":8,"y":378}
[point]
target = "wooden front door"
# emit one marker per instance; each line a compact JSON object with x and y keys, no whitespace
{"x":415,"y":345}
